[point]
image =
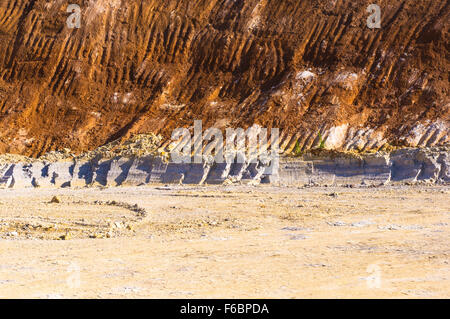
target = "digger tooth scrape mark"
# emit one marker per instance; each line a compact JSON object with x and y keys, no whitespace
{"x":152,"y":66}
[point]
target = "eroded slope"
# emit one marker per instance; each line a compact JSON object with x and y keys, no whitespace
{"x":151,"y":66}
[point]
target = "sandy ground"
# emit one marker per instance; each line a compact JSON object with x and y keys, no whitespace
{"x":225,"y":242}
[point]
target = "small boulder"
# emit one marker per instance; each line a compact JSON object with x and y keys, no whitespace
{"x":55,"y":200}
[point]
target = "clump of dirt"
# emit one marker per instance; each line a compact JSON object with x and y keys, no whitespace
{"x":58,"y":156}
{"x":14,"y":158}
{"x":136,"y":146}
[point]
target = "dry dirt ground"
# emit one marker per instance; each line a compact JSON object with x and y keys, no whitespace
{"x":225,"y":242}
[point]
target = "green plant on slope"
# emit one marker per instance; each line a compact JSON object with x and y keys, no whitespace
{"x":297,"y":149}
{"x":321,"y":141}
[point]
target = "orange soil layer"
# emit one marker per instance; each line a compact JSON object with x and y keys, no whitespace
{"x":150,"y":66}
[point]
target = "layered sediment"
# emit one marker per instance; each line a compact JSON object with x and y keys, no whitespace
{"x":327,"y":168}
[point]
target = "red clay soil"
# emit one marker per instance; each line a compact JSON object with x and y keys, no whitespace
{"x":140,"y":66}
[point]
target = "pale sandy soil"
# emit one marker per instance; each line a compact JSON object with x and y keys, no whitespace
{"x":225,"y":242}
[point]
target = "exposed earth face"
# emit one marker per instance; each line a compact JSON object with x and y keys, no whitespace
{"x":94,"y":107}
{"x":225,"y":242}
{"x":151,"y":66}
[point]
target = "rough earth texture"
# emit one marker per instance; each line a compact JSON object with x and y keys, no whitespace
{"x":225,"y":242}
{"x":150,"y":66}
{"x":104,"y":167}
